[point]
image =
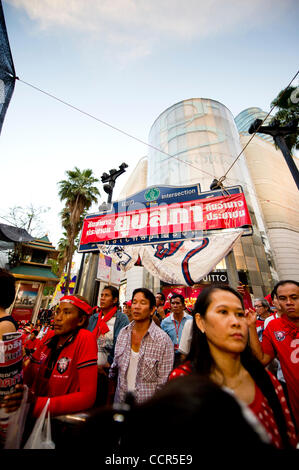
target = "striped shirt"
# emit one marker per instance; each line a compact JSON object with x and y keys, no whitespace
{"x":155,"y":362}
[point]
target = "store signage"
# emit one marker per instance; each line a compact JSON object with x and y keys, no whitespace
{"x":25,"y":302}
{"x":218,"y":277}
{"x":164,"y":214}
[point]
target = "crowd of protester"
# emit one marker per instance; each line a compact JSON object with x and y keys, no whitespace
{"x":166,"y":367}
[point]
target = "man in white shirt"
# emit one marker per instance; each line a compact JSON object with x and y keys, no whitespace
{"x":173,"y":324}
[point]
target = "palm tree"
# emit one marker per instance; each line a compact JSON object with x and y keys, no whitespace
{"x":286,"y":103}
{"x":63,"y":247}
{"x":78,"y":192}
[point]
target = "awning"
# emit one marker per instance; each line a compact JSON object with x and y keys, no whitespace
{"x":9,"y":233}
{"x":37,"y":273}
{"x":4,"y":246}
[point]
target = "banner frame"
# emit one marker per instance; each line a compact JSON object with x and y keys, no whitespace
{"x":197,"y":195}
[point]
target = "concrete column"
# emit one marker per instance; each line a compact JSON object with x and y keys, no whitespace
{"x":232,"y":271}
{"x":90,"y":280}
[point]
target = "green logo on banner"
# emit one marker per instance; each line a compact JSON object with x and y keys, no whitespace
{"x":152,"y":194}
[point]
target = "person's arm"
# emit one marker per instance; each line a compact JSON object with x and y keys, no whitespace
{"x":12,"y":401}
{"x":185,"y":341}
{"x":256,"y":346}
{"x":6,"y":327}
{"x":73,"y":402}
{"x":161,"y":312}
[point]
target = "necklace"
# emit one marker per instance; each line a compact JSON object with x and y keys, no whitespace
{"x":233,"y":383}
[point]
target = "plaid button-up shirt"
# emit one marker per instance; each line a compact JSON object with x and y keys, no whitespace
{"x":155,"y":362}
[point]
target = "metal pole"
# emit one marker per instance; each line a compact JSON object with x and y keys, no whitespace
{"x":231,"y":269}
{"x":280,"y":142}
{"x":76,"y":290}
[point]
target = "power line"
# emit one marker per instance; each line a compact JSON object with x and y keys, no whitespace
{"x":220,"y":180}
{"x":7,"y":220}
{"x":230,"y":167}
{"x":109,"y":125}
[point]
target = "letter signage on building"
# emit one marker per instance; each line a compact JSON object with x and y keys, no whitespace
{"x":177,"y":213}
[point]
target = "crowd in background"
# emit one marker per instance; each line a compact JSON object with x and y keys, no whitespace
{"x":143,"y":355}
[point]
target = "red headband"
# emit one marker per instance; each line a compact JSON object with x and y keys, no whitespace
{"x":78,"y":302}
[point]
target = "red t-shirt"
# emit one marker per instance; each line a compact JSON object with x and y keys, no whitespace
{"x":281,"y":338}
{"x":72,"y":383}
{"x":260,"y":407}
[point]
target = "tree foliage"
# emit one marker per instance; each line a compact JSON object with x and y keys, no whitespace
{"x":28,"y":218}
{"x":79,"y":193}
{"x":287,"y":104}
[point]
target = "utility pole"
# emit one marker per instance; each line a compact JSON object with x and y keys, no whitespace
{"x":278,"y":133}
{"x":91,"y":291}
{"x":110,"y":180}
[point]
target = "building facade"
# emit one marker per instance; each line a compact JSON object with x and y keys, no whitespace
{"x":277,"y":194}
{"x":246,"y":117}
{"x":32,"y":273}
{"x":199,"y":141}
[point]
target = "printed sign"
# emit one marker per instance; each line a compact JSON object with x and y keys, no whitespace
{"x":108,"y":270}
{"x":183,"y":262}
{"x":25,"y":301}
{"x":10,"y":362}
{"x":11,"y":373}
{"x":182,"y":214}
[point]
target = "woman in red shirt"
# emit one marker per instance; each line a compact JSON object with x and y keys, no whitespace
{"x":64,"y":366}
{"x":219,"y":350}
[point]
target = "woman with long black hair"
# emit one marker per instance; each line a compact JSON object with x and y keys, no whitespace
{"x":220,"y":351}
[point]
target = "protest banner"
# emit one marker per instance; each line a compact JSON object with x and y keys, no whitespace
{"x":11,"y":373}
{"x":166,"y":214}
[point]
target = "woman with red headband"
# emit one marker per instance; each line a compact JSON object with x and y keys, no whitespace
{"x":64,"y":366}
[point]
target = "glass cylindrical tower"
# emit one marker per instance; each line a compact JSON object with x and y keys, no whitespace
{"x":246,"y":117}
{"x":199,"y":141}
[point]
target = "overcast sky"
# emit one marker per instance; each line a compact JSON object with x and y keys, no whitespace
{"x":124,"y":62}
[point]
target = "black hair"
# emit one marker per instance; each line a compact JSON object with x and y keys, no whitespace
{"x":202,"y":361}
{"x":7,"y":289}
{"x":272,"y":294}
{"x":147,"y":294}
{"x":162,"y":296}
{"x":282,"y":283}
{"x":114,"y":292}
{"x":178,"y":296}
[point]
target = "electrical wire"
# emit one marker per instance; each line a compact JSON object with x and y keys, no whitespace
{"x":6,"y":220}
{"x":230,"y":167}
{"x":219,"y":181}
{"x":111,"y":126}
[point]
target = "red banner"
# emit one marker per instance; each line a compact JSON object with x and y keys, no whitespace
{"x":22,"y":314}
{"x":203,"y":214}
{"x":10,"y":362}
{"x":191,"y":293}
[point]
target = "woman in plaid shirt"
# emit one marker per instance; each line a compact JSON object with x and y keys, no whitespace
{"x":144,"y":353}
